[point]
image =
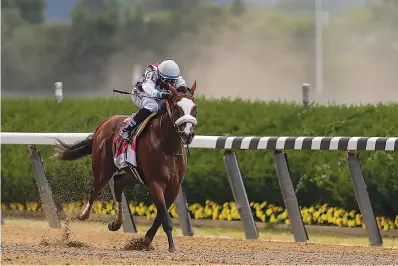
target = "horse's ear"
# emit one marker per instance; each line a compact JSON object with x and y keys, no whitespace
{"x":193,"y":88}
{"x":172,"y":89}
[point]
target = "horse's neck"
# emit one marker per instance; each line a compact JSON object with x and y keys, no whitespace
{"x":169,"y":138}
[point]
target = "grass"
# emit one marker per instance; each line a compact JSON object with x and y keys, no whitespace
{"x":264,"y":234}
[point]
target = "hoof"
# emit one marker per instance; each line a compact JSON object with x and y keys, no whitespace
{"x":114,"y":226}
{"x":173,"y":249}
{"x":81,"y":217}
{"x":147,"y":244}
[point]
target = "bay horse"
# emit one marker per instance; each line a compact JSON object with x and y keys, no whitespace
{"x":161,"y":159}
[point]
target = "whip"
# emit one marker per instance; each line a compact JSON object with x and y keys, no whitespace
{"x":121,"y":91}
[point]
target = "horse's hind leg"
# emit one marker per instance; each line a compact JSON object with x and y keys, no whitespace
{"x":103,"y":172}
{"x":97,"y":186}
{"x":120,"y":179}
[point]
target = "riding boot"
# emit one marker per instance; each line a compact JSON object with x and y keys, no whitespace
{"x":127,"y":130}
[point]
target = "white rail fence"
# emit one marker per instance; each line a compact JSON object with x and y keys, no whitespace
{"x":231,"y":142}
{"x":350,"y":145}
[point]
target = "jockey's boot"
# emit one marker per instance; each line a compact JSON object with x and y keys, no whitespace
{"x":127,"y":130}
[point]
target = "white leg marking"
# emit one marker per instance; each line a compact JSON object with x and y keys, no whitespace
{"x":87,"y":208}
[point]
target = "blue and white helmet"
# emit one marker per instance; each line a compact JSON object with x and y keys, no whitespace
{"x":169,"y":71}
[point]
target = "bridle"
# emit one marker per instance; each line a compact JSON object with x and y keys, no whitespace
{"x":184,"y":118}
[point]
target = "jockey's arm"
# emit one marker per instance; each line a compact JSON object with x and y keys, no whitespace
{"x":149,"y":84}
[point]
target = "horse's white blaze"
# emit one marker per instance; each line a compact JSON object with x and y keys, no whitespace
{"x":187,"y":129}
{"x":186,"y":105}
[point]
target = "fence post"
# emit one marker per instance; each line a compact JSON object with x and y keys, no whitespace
{"x":183,"y":213}
{"x":45,"y":192}
{"x":58,"y":92}
{"x":239,"y":193}
{"x":128,"y":224}
{"x":306,"y":98}
{"x":363,"y":199}
{"x":289,"y":196}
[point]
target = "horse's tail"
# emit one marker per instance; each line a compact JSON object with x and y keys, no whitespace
{"x":73,"y":151}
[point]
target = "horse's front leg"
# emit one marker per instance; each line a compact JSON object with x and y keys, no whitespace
{"x":150,"y":234}
{"x":167,"y":225}
{"x":158,"y":194}
{"x":163,"y":218}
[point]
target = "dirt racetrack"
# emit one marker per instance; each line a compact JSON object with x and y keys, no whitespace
{"x":85,"y":245}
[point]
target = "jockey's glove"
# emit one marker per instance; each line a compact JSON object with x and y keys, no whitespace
{"x":165,"y":95}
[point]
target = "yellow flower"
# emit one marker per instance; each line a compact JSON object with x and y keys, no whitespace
{"x":109,"y":206}
{"x":316,"y":215}
{"x":273,"y":219}
{"x":198,"y":213}
{"x":320,"y":214}
{"x":351,"y":223}
{"x":339,"y":222}
{"x":385,"y":227}
{"x":215,"y":213}
{"x":358,"y":219}
{"x":132,"y":208}
{"x":345,"y":221}
{"x":283,"y":215}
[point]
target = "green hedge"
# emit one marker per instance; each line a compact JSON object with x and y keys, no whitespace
{"x":319,"y":176}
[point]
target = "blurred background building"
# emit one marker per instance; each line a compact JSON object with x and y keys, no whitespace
{"x":255,"y":49}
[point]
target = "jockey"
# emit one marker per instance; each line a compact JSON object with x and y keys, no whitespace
{"x":150,"y":89}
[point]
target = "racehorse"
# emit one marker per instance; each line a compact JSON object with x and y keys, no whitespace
{"x":161,"y":159}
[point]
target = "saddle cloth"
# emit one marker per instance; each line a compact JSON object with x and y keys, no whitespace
{"x":125,"y":152}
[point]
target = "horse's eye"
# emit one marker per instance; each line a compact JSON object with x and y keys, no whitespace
{"x":194,"y":111}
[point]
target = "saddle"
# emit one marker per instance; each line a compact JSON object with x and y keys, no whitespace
{"x":124,"y":152}
{"x":137,"y":130}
